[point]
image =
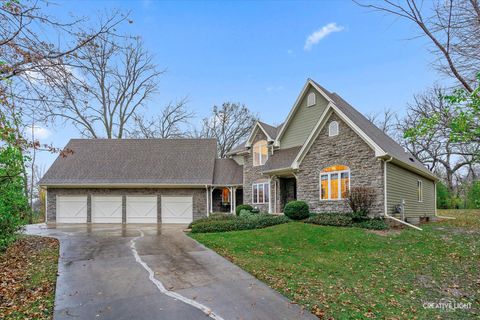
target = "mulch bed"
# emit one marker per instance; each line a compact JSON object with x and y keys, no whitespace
{"x":28,"y":271}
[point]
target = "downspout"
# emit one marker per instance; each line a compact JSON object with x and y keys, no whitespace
{"x":385,"y":197}
{"x":436,"y":215}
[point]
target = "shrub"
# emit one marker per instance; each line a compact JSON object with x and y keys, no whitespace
{"x":358,"y":216}
{"x":244,"y":213}
{"x":255,"y":210}
{"x":474,"y":196}
{"x":243,"y":207}
{"x":330,"y":219}
{"x":345,"y":220}
{"x":256,"y":221}
{"x":361,"y":199}
{"x":374,"y":224}
{"x":213,"y":217}
{"x":297,"y":210}
{"x":443,"y":196}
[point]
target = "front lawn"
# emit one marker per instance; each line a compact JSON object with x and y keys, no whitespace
{"x":348,"y":273}
{"x":28,"y":273}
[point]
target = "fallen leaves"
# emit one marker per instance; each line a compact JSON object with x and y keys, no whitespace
{"x":28,"y":270}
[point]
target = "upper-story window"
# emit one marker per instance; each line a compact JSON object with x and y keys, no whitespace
{"x":311,"y":99}
{"x":334,"y":182}
{"x":333,"y":129}
{"x":260,"y":153}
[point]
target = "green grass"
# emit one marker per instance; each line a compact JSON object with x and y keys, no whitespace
{"x":350,"y":273}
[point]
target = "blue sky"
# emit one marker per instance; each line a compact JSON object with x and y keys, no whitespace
{"x":253,"y":52}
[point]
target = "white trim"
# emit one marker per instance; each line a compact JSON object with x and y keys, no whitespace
{"x":269,"y":195}
{"x":419,"y":190}
{"x":258,"y":192}
{"x":248,"y":143}
{"x":330,"y":186}
{"x":208,"y":201}
{"x":123,"y":185}
{"x":435,"y":196}
{"x":296,"y":106}
{"x":319,"y":126}
{"x":259,"y":144}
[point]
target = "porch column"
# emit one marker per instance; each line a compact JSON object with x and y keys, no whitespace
{"x":207,"y":193}
{"x":211,"y":199}
{"x":234,"y":199}
{"x":270,"y":195}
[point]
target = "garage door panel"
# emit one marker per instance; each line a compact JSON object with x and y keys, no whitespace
{"x":141,"y":209}
{"x":71,"y":209}
{"x":177,"y":209}
{"x":107,"y":209}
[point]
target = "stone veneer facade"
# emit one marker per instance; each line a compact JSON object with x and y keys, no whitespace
{"x":199,"y":199}
{"x":347,"y":148}
{"x":253,"y":174}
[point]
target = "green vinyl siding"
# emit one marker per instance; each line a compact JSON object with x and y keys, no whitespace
{"x":303,"y":121}
{"x":402,"y":184}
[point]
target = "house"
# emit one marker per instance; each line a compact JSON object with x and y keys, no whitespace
{"x":323,"y":148}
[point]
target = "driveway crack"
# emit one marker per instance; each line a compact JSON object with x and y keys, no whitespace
{"x":161,"y":287}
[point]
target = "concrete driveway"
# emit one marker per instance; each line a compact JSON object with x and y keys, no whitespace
{"x":150,"y":272}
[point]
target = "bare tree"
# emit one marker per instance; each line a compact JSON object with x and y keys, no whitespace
{"x":438,"y":151}
{"x":453,"y":28}
{"x":229,"y":124}
{"x":112,"y":79}
{"x":385,"y":121}
{"x":169,"y":124}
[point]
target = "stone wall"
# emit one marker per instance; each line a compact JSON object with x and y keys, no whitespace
{"x":348,"y":149}
{"x":199,"y":198}
{"x":253,"y":174}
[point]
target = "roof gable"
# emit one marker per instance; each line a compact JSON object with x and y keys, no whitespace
{"x":315,"y":113}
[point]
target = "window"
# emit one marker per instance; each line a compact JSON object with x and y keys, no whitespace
{"x":311,"y":99}
{"x":260,"y":153}
{"x":260,"y":192}
{"x":334,"y":183}
{"x":333,"y":129}
{"x":420,"y":190}
{"x":225,"y":196}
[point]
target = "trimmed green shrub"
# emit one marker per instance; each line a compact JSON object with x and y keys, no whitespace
{"x":374,"y":224}
{"x":213,"y":217}
{"x":331,"y":219}
{"x":255,"y":210}
{"x":345,"y":220}
{"x":243,"y":207}
{"x":256,"y":221}
{"x":297,"y":210}
{"x":244,"y":213}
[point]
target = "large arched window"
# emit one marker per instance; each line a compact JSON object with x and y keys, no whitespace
{"x":334,"y":182}
{"x":260,"y":153}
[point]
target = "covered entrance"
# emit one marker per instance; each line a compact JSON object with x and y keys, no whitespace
{"x":287,"y":190}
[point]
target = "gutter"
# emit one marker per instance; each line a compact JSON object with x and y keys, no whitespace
{"x":385,"y":200}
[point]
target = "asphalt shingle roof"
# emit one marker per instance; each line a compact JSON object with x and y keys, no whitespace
{"x":142,"y":161}
{"x":282,"y":158}
{"x":227,"y":172}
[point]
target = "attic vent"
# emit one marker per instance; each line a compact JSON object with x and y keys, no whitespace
{"x":311,"y":99}
{"x":333,"y":129}
{"x":411,"y":159}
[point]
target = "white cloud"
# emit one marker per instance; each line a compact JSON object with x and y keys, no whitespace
{"x":38,"y":132}
{"x":321,"y":33}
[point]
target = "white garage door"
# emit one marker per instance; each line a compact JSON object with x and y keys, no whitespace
{"x":71,"y":209}
{"x":107,"y":209}
{"x":177,"y":209}
{"x":142,"y":209}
